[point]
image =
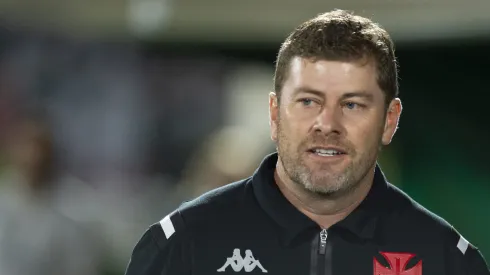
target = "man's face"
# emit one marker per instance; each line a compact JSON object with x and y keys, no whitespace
{"x":330,"y":123}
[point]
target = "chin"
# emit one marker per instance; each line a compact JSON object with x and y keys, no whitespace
{"x":329,"y":169}
{"x":322,"y":189}
{"x":329,"y":186}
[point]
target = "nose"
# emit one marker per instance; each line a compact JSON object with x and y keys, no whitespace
{"x":329,"y":121}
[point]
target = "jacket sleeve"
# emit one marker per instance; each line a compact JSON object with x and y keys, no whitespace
{"x":464,"y":258}
{"x":162,"y":250}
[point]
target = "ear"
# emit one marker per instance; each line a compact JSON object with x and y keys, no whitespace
{"x":273,"y":114}
{"x":391,"y":122}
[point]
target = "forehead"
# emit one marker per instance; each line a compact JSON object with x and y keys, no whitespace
{"x":332,"y":77}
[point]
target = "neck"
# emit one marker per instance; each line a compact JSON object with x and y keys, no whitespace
{"x":325,"y":211}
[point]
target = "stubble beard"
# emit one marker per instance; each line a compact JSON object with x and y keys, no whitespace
{"x":321,"y":181}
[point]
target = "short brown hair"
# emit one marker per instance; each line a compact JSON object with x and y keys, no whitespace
{"x":341,"y":35}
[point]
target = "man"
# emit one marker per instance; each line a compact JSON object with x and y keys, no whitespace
{"x":321,"y":204}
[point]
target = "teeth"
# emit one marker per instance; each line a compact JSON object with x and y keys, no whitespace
{"x":323,"y":152}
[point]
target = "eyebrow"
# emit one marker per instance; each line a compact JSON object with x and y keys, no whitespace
{"x":308,"y":91}
{"x":361,"y":94}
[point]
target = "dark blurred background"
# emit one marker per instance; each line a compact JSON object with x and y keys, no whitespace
{"x":114,"y":112}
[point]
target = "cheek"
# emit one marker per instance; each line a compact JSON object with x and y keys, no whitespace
{"x":291,"y":127}
{"x":365,"y":134}
{"x":287,"y":133}
{"x":299,"y":120}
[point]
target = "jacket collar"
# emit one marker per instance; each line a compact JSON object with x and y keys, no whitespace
{"x":361,"y":222}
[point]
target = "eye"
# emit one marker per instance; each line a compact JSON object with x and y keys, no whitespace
{"x":352,"y":105}
{"x":306,"y":101}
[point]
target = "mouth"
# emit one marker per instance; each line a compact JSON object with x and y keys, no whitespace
{"x":327,"y":151}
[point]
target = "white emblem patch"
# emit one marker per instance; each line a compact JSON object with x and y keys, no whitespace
{"x":237,"y":263}
{"x":462,"y":244}
{"x":167,"y":226}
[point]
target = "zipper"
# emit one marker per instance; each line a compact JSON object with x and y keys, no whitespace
{"x":321,"y":262}
{"x":323,"y":242}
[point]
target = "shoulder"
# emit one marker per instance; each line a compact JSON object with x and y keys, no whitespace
{"x":169,"y":239}
{"x":424,"y":224}
{"x":216,"y":204}
{"x":205,"y":210}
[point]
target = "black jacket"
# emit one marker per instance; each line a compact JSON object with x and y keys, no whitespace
{"x":250,"y":227}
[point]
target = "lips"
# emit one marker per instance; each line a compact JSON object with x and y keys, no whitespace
{"x":327,"y":151}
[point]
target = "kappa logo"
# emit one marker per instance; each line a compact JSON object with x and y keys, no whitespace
{"x":237,"y":263}
{"x":398,"y":265}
